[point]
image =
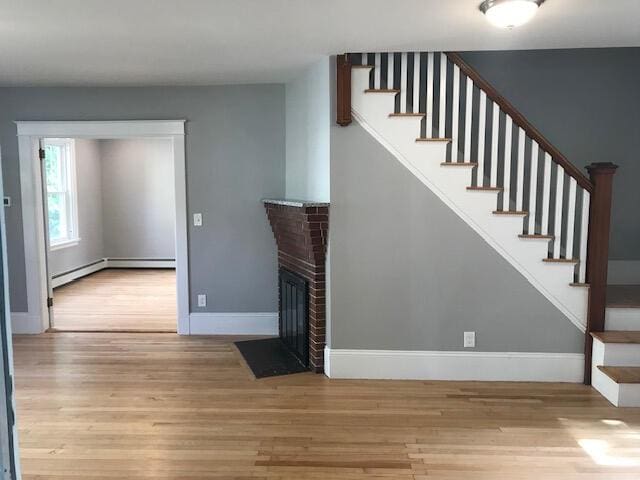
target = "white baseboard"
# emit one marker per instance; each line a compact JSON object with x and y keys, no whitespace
{"x":624,"y":272}
{"x":111,"y":263}
{"x":78,"y":273}
{"x":232,"y":323}
{"x":140,"y":263}
{"x":24,"y":323}
{"x":435,"y":365}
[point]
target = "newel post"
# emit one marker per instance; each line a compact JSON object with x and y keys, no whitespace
{"x":598,"y":252}
{"x":343,"y":90}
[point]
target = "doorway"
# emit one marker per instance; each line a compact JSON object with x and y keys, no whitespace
{"x":40,"y":289}
{"x":109,"y":212}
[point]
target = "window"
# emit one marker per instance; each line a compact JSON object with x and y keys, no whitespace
{"x":59,"y":166}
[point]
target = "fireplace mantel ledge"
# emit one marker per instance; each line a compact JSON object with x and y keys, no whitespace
{"x":294,"y":203}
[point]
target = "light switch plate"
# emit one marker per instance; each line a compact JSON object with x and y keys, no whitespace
{"x":7,"y":201}
{"x":197,"y":219}
{"x":202,"y":300}
{"x":469,"y":339}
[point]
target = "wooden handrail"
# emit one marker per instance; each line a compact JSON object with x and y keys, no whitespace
{"x":522,"y":122}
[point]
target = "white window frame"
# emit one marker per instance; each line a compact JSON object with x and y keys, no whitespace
{"x":71,"y":193}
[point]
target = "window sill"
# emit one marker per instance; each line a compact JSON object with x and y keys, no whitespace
{"x":66,"y":244}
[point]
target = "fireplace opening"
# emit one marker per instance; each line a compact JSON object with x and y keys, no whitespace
{"x":294,"y":314}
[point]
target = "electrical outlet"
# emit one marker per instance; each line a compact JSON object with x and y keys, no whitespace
{"x":202,"y":300}
{"x":469,"y":339}
{"x":197,"y":219}
{"x":7,"y":201}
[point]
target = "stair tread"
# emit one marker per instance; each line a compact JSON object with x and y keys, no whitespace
{"x":408,"y":114}
{"x":459,"y":164}
{"x":424,"y":139}
{"x":531,"y":235}
{"x":382,"y":90}
{"x":623,"y":296}
{"x":510,"y":212}
{"x":618,"y":336}
{"x":577,"y":284}
{"x":621,"y":374}
{"x":560,"y":260}
{"x":363,"y":66}
{"x":485,"y":189}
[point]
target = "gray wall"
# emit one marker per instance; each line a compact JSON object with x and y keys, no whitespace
{"x":138,"y":198}
{"x":235,"y":147}
{"x":408,"y":274}
{"x":89,"y":185}
{"x":307,"y":145}
{"x":587,"y":103}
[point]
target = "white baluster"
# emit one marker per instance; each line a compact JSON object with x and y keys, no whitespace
{"x":546,"y":189}
{"x":520,"y":171}
{"x":571,"y":216}
{"x":403,"y":83}
{"x":506,"y":194}
{"x":390,"y":70}
{"x":443,"y":96}
{"x":377,"y":74}
{"x":557,"y":229}
{"x":429,"y":95}
{"x":584,"y":236}
{"x":416,"y":82}
{"x":533,"y":188}
{"x":455,"y":112}
{"x":495,"y":130}
{"x":467,"y":121}
{"x":482,"y":121}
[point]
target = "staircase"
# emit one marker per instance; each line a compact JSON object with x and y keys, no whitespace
{"x":484,"y":160}
{"x":616,"y":351}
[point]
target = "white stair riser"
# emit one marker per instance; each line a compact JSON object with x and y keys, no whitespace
{"x":615,"y":354}
{"x":620,"y":395}
{"x":424,"y":160}
{"x":622,"y":319}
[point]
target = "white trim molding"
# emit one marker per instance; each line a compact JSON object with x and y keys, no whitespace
{"x":140,"y":263}
{"x":233,"y":323}
{"x":456,"y":365}
{"x":29,"y":135}
{"x":624,"y":272}
{"x":101,"y":129}
{"x":83,"y":271}
{"x":24,"y":323}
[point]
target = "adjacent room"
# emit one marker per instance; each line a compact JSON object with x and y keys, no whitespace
{"x":320,"y":240}
{"x":111,"y":234}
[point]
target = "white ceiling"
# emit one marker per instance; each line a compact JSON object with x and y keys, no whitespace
{"x":197,"y":42}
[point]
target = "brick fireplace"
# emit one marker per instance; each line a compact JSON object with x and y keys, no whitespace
{"x":301,"y":230}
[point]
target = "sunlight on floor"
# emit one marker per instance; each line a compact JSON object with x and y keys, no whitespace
{"x":603,"y":447}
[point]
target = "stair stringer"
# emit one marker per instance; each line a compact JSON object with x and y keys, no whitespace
{"x":423,"y":159}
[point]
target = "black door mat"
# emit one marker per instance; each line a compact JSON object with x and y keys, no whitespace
{"x":269,"y":357}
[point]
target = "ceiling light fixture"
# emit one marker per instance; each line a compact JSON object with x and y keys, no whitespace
{"x":509,"y":13}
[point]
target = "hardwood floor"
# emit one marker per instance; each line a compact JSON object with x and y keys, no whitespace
{"x":118,"y":300}
{"x":159,"y":406}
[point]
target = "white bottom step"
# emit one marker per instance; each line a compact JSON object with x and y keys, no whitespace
{"x":619,"y":394}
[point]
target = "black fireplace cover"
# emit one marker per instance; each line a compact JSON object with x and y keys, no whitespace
{"x":269,"y":357}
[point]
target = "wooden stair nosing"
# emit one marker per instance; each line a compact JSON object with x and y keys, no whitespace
{"x":381,"y":90}
{"x":485,"y":189}
{"x":536,"y":236}
{"x":511,"y":213}
{"x":425,"y":139}
{"x":622,"y":375}
{"x":561,"y":260}
{"x":618,"y":336}
{"x":408,"y":114}
{"x":459,"y":164}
